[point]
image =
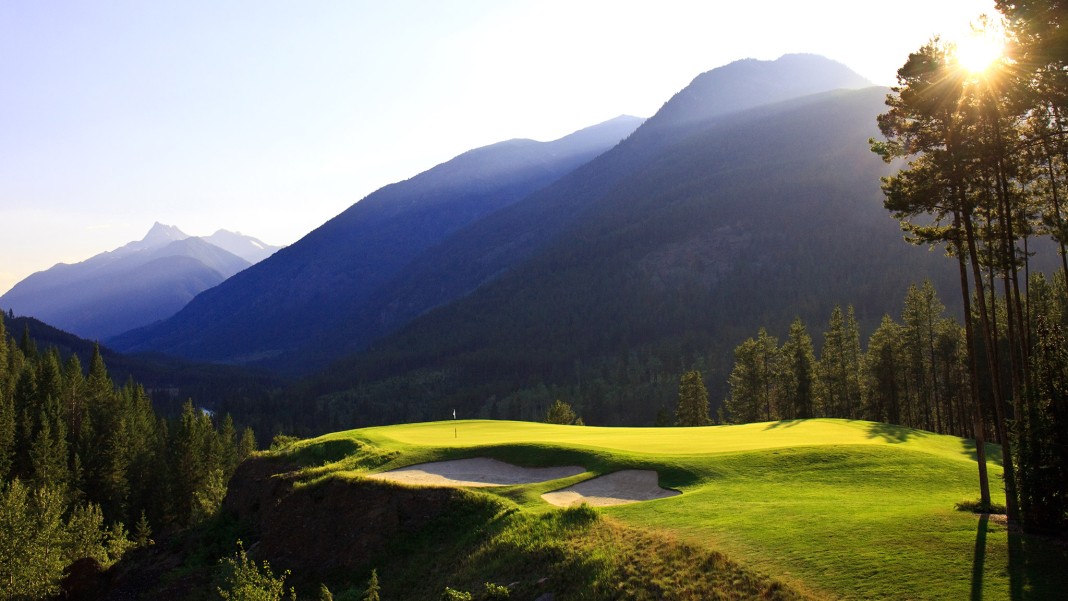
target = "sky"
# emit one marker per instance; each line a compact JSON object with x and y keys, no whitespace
{"x":269,"y":117}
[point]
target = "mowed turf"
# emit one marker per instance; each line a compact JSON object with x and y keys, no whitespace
{"x":839,"y":509}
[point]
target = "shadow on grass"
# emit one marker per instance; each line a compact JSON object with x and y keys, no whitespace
{"x":893,"y":434}
{"x":1036,"y":564}
{"x":979,"y":558}
{"x":785,"y":423}
{"x":993,"y":451}
{"x":1036,"y":567}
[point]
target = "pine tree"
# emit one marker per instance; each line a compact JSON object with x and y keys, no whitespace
{"x":48,"y":455}
{"x":884,"y":367}
{"x":798,"y":373}
{"x":854,"y":358}
{"x":228,"y":446}
{"x":833,"y":369}
{"x":923,"y":310}
{"x":32,"y":537}
{"x":190,"y":466}
{"x":373,"y":590}
{"x":7,"y":433}
{"x":753,"y":379}
{"x":561,"y":413}
{"x":247,"y":445}
{"x":692,"y":408}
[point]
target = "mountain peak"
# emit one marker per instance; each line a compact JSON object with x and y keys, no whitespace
{"x":248,"y":248}
{"x":750,"y":82}
{"x":162,"y":232}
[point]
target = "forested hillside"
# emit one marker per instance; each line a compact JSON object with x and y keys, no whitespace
{"x":88,"y":470}
{"x":280,"y":312}
{"x":169,"y":381}
{"x":667,"y":270}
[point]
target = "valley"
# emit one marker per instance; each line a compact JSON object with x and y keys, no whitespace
{"x":801,"y":333}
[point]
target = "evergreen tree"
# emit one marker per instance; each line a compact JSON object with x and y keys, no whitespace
{"x":373,"y":592}
{"x":191,"y":465}
{"x":798,"y":373}
{"x":692,"y":408}
{"x":921,"y":315}
{"x":753,"y":379}
{"x":884,"y":366}
{"x":247,"y":445}
{"x":85,"y":534}
{"x":228,"y":445}
{"x":836,"y":371}
{"x":48,"y":455}
{"x":562,"y":413}
{"x":7,"y":432}
{"x":31,"y":541}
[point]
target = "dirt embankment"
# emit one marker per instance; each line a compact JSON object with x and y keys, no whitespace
{"x":331,"y":526}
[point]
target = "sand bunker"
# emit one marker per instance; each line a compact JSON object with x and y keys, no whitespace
{"x":475,"y":472}
{"x":617,"y":488}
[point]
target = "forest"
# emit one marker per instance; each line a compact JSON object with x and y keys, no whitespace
{"x":89,"y":471}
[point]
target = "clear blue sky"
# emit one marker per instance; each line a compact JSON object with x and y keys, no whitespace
{"x":270,"y":117}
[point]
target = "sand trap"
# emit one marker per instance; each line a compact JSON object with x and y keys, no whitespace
{"x":617,"y":488}
{"x":475,"y":472}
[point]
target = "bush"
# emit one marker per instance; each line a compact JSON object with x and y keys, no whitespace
{"x":455,"y":595}
{"x":244,"y":581}
{"x":281,"y":441}
{"x":496,"y":591}
{"x":979,"y":507}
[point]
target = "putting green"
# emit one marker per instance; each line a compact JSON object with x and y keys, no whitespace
{"x":671,"y":441}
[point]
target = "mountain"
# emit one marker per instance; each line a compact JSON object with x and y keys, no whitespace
{"x":248,"y":248}
{"x":137,"y":284}
{"x":658,"y":256}
{"x":310,"y":290}
{"x":490,"y":247}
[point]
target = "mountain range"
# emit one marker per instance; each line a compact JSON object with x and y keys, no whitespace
{"x":659,"y":256}
{"x":137,"y":284}
{"x":300,"y":309}
{"x":597,"y":272}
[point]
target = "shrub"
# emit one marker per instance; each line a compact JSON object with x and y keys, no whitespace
{"x":496,"y":591}
{"x":244,"y":581}
{"x":455,"y":595}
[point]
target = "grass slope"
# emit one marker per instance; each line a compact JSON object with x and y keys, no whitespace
{"x":834,"y":508}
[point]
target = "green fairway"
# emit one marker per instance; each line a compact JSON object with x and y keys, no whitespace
{"x":840,"y":509}
{"x":673,"y":441}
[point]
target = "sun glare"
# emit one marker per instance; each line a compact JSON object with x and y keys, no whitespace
{"x":980,"y":49}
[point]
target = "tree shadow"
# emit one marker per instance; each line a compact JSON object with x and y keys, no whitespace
{"x":893,"y":434}
{"x":993,"y":451}
{"x":1036,"y":566}
{"x":784,"y":423}
{"x":979,"y":558}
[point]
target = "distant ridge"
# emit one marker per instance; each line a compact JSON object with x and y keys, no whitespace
{"x":320,"y":285}
{"x":134,"y":285}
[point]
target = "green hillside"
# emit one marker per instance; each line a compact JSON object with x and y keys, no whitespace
{"x":830,"y":508}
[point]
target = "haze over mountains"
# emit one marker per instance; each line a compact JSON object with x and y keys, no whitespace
{"x":660,"y":255}
{"x":139,"y":283}
{"x":528,"y":264}
{"x":318,"y":284}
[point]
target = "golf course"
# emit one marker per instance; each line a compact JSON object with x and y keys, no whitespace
{"x":832,"y":509}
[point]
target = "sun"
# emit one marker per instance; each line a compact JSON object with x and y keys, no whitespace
{"x":980,"y":49}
